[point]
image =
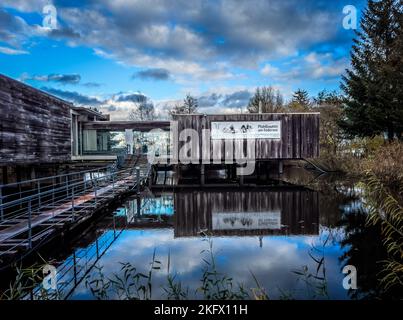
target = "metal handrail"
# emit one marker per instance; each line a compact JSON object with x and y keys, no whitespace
{"x":52,"y":177}
{"x":18,"y":201}
{"x":42,"y":200}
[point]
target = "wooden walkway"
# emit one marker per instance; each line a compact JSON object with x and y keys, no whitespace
{"x":25,"y":232}
{"x":47,"y":215}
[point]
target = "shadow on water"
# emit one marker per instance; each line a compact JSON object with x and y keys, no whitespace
{"x":293,"y":240}
{"x":366,"y":252}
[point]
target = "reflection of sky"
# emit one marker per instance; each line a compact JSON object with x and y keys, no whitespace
{"x":160,"y":206}
{"x":272,"y":263}
{"x":120,"y":212}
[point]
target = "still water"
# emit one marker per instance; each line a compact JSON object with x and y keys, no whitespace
{"x":294,"y":241}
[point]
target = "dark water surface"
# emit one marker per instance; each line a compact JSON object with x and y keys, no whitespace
{"x":294,"y":240}
{"x":290,"y":238}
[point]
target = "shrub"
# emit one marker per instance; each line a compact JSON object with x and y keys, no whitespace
{"x":386,"y":164}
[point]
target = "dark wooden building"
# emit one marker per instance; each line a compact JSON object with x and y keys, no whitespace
{"x":34,"y":126}
{"x":262,"y":140}
{"x":38,"y":130}
{"x":35,"y":129}
{"x":276,"y":135}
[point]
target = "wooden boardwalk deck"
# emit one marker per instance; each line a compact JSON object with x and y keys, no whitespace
{"x":47,"y":215}
{"x":26,"y":231}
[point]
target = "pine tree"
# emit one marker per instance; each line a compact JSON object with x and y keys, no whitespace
{"x":325,"y":98}
{"x":300,"y":101}
{"x":374,"y":83}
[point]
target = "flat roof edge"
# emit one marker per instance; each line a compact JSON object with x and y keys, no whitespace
{"x":36,"y":89}
{"x":237,"y":114}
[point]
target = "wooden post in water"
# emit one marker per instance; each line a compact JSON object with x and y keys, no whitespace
{"x":138,"y":180}
{"x":138,"y":203}
{"x":280,"y":167}
{"x":241,"y":180}
{"x":150,"y":177}
{"x":202,"y":174}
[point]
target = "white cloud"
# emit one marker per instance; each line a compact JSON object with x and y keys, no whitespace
{"x":313,"y":66}
{"x":11,"y":51}
{"x":195,"y":41}
{"x":25,"y":5}
{"x":269,"y":70}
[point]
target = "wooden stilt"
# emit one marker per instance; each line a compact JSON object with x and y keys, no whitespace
{"x":280,"y":167}
{"x":202,"y":174}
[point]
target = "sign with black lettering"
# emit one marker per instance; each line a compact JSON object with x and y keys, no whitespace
{"x":245,"y":130}
{"x":246,"y":220}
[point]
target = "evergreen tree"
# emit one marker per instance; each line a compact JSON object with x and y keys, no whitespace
{"x":300,"y":101}
{"x":325,"y":98}
{"x":373,"y":85}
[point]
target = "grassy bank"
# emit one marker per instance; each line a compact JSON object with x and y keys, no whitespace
{"x":377,"y":165}
{"x":361,"y":158}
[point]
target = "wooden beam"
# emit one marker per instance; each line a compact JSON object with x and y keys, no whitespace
{"x":142,"y":126}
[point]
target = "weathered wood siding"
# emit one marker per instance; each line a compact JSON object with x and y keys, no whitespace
{"x":299,"y":133}
{"x":194,"y":210}
{"x":34,"y":126}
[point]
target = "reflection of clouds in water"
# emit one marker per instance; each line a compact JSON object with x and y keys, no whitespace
{"x":272,"y":263}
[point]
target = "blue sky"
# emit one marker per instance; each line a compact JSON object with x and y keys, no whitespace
{"x":108,"y":53}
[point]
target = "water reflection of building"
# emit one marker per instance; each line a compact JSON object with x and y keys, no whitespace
{"x":252,"y":212}
{"x":147,"y":212}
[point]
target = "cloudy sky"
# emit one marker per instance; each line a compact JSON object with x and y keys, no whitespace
{"x":109,"y":54}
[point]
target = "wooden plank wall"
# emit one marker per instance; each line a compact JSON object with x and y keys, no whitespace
{"x":299,"y":210}
{"x":34,"y":126}
{"x":299,"y":133}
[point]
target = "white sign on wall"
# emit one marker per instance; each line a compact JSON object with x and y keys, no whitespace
{"x":246,"y":220}
{"x":246,"y":130}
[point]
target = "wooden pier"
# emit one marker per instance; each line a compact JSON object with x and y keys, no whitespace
{"x":44,"y":208}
